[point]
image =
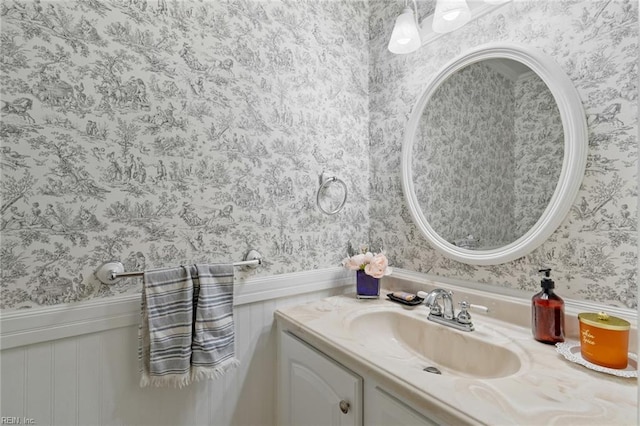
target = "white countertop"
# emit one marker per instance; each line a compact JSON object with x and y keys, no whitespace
{"x":546,"y":390}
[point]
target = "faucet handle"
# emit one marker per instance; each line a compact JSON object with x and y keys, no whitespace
{"x":434,"y":307}
{"x":480,"y":308}
{"x":464,"y":317}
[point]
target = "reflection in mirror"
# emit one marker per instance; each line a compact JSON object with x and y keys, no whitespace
{"x":487,"y":154}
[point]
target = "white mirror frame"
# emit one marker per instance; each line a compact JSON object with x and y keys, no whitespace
{"x":575,"y":154}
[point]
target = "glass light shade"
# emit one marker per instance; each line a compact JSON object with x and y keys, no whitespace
{"x":450,"y":15}
{"x":405,"y":37}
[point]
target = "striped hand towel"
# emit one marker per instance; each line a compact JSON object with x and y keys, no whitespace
{"x":186,"y":332}
{"x":213,"y":336}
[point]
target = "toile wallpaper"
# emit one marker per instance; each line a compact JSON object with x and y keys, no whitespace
{"x":463,"y":160}
{"x":167,"y":132}
{"x":593,"y":254}
{"x":162,"y":132}
{"x":538,"y":150}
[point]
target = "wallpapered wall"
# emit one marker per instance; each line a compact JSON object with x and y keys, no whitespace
{"x":164,"y":132}
{"x":463,"y":159}
{"x":594,"y":252}
{"x":487,"y":155}
{"x":538,"y":150}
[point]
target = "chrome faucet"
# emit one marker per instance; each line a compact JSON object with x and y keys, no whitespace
{"x":445,"y":314}
{"x":446,"y":311}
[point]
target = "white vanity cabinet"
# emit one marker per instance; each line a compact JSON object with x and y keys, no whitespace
{"x":313,"y":389}
{"x":384,"y":409}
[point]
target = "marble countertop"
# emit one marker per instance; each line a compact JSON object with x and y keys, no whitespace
{"x":546,"y":390}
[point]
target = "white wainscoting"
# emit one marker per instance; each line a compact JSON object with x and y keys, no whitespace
{"x":77,"y":364}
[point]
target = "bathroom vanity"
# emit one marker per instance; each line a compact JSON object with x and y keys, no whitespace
{"x":318,"y":390}
{"x":346,"y":361}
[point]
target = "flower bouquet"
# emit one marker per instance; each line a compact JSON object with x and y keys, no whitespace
{"x":369,"y":269}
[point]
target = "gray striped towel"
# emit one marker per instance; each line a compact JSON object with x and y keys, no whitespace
{"x":186,"y":333}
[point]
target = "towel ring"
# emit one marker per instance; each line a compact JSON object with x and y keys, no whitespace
{"x":324,"y":184}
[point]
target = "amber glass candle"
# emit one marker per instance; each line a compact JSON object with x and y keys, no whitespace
{"x":604,"y":340}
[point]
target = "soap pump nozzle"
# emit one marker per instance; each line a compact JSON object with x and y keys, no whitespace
{"x":547,"y":283}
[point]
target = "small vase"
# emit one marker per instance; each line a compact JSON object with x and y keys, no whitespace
{"x":367,"y":287}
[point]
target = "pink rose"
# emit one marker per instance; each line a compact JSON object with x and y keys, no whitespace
{"x":358,"y":261}
{"x":348,"y":263}
{"x":368,"y":256}
{"x":378,"y":266}
{"x":353,"y":262}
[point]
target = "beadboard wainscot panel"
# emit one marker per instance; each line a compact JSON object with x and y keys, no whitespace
{"x":64,"y":361}
{"x":90,"y":358}
{"x":12,"y":384}
{"x":77,"y":365}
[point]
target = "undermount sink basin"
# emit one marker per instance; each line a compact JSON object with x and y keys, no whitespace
{"x":397,"y":334}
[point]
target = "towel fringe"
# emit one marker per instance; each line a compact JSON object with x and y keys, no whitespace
{"x":201,"y":373}
{"x":173,"y":380}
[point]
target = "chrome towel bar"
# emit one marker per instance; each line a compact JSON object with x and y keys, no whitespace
{"x":110,"y":272}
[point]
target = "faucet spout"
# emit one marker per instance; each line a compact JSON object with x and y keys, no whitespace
{"x":444,"y":314}
{"x":447,"y":303}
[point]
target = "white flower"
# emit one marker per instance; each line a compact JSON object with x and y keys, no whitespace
{"x":378,"y":267}
{"x":375,"y":265}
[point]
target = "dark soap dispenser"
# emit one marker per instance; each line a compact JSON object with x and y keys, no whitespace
{"x":547,"y":312}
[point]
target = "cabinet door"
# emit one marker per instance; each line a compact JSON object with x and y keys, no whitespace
{"x":313,"y":389}
{"x":384,"y":409}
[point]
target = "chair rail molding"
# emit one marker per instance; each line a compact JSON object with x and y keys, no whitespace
{"x":25,"y":327}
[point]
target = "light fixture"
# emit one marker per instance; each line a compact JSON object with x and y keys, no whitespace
{"x":405,"y":37}
{"x":450,"y":15}
{"x":408,"y":35}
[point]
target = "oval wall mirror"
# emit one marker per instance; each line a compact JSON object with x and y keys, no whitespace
{"x":494,"y":154}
